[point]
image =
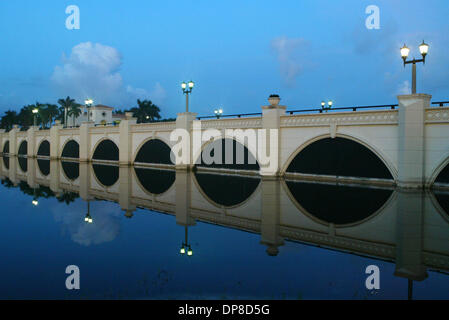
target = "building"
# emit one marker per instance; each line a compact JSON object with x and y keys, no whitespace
{"x":99,"y":114}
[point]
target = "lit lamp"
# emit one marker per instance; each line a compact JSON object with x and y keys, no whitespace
{"x":88,"y":103}
{"x":35,"y":111}
{"x":218,"y":113}
{"x":423,"y":49}
{"x":329,"y":105}
{"x":88,"y":218}
{"x":187,"y":89}
{"x":185,"y":247}
{"x":35,"y":202}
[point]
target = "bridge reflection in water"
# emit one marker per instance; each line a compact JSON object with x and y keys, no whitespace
{"x":409,"y":229}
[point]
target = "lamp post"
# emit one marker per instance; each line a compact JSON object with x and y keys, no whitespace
{"x":88,"y":218}
{"x":35,"y":111}
{"x":329,"y":105}
{"x":187,"y":89}
{"x":35,"y":202}
{"x":88,"y":103}
{"x":185,"y":247}
{"x":423,"y":49}
{"x":218,"y":112}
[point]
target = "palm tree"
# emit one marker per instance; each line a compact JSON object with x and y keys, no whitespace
{"x":146,"y":111}
{"x":66,"y":104}
{"x":53,"y":112}
{"x":8,"y":120}
{"x":75,"y":111}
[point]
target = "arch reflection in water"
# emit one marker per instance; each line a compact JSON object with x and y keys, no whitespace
{"x":6,"y":161}
{"x":23,"y":163}
{"x":338,"y":204}
{"x":107,"y":175}
{"x":71,"y":169}
{"x":442,"y":198}
{"x":227,"y":190}
{"x":155,"y":181}
{"x":44,"y":166}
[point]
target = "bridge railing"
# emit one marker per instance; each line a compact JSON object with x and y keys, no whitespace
{"x":320,"y":110}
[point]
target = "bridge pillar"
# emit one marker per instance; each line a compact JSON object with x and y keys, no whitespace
{"x":411,"y":172}
{"x":271,"y":121}
{"x":125,"y":190}
{"x":409,"y":236}
{"x":31,"y":139}
{"x":270,"y":218}
{"x":55,"y":171}
{"x":183,"y":192}
{"x":13,"y":140}
{"x":31,"y":172}
{"x":54,"y":140}
{"x":184,"y":121}
{"x":85,"y":141}
{"x":2,"y":134}
{"x":125,"y":141}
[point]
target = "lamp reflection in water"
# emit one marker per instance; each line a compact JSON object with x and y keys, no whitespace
{"x":88,"y":218}
{"x":185,"y":247}
{"x":35,"y":202}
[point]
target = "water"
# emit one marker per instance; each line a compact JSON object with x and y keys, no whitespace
{"x":251,"y":238}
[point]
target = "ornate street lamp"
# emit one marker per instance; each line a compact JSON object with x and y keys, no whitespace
{"x":329,"y":105}
{"x":35,"y":111}
{"x":423,"y":49}
{"x":185,"y":247}
{"x":218,"y":113}
{"x":187,"y":89}
{"x":88,"y":103}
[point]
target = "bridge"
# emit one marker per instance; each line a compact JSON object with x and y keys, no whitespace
{"x":408,"y":228}
{"x":406,"y":145}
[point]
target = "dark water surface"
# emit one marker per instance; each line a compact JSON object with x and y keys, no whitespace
{"x":251,"y":238}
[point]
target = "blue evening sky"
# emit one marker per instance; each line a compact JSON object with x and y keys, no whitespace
{"x":237,"y":52}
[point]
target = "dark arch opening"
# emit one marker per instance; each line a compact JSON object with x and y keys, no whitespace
{"x":71,"y":150}
{"x":443,"y":176}
{"x":106,"y":150}
{"x":443,"y":201}
{"x":107,"y":175}
{"x":154,"y":151}
{"x":339,"y":157}
{"x":23,"y":163}
{"x":44,"y":166}
{"x":44,"y":149}
{"x":155,"y":181}
{"x":23,"y":148}
{"x":6,"y":147}
{"x":227,"y":190}
{"x":338,"y":204}
{"x":71,"y":169}
{"x":234,"y":155}
{"x":6,"y":161}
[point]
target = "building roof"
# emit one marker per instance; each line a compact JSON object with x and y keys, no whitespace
{"x":102,"y":107}
{"x":119,"y":116}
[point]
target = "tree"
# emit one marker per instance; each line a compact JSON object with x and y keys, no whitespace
{"x":75,"y":111}
{"x":146,"y":111}
{"x":8,"y":120}
{"x":53,"y":112}
{"x":66,"y":104}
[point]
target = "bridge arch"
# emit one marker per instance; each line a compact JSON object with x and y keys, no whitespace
{"x":385,"y":168}
{"x":238,"y":191}
{"x":23,"y":148}
{"x":441,"y":173}
{"x":248,"y":154}
{"x":44,"y":148}
{"x":105,"y":149}
{"x":6,"y":147}
{"x":351,"y":207}
{"x":70,"y":149}
{"x":153,"y":150}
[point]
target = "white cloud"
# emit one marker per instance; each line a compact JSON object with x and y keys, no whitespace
{"x":92,"y":70}
{"x":287,"y":50}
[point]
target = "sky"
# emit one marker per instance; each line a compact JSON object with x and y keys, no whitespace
{"x":236,"y":52}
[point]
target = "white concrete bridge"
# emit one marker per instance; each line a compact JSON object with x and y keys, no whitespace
{"x":407,"y":146}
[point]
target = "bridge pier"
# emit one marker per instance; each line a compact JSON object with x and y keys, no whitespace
{"x":125,"y":143}
{"x":411,"y":171}
{"x":31,"y":147}
{"x":185,"y":121}
{"x":54,"y":140}
{"x":84,"y":145}
{"x":13,"y":140}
